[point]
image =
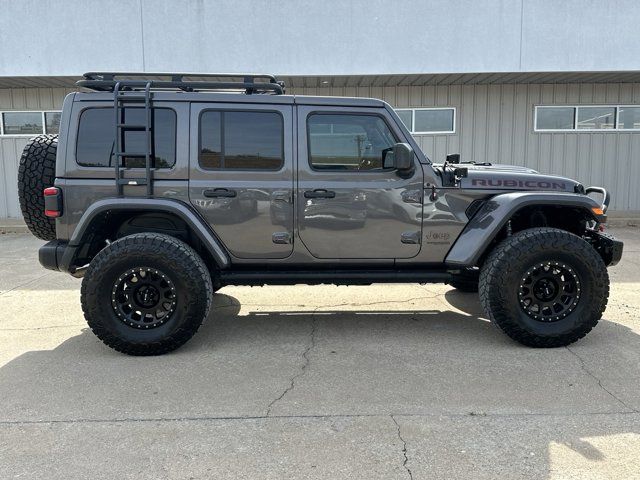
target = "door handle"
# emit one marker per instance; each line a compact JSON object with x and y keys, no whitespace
{"x":219,"y":193}
{"x":319,"y":193}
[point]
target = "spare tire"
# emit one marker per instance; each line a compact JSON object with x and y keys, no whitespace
{"x":37,"y":171}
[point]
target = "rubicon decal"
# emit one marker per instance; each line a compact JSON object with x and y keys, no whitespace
{"x":541,"y":184}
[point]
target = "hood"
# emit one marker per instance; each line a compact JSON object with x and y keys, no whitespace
{"x":511,"y":177}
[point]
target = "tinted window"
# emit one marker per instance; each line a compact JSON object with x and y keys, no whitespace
{"x":22,"y":123}
{"x":348,"y":142}
{"x":96,"y":138}
{"x":241,"y":140}
{"x":211,"y":140}
{"x":554,"y":118}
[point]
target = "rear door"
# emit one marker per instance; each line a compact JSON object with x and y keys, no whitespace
{"x":241,"y":177}
{"x":349,"y":205}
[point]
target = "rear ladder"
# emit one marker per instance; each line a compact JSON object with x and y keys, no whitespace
{"x":121,"y":100}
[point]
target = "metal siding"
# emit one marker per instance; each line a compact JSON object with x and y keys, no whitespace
{"x":493,"y":123}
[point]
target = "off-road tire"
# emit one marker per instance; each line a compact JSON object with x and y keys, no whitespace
{"x":36,"y":172}
{"x":500,"y":281}
{"x":167,"y":254}
{"x":466,"y":281}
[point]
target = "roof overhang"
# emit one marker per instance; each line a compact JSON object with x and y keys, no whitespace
{"x":416,"y":79}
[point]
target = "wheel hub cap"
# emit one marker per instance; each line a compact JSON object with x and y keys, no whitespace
{"x":143,"y":297}
{"x":549,"y":291}
{"x":147,"y":296}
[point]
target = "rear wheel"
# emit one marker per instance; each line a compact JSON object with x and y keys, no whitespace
{"x":146,"y":294}
{"x":544,"y":287}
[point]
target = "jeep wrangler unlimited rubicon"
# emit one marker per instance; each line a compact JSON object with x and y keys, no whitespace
{"x":162,"y":188}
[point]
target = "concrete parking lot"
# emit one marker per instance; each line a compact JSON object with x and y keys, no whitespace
{"x":381,"y":382}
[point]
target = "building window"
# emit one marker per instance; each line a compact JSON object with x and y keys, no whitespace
{"x":52,"y":122}
{"x":407,"y":118}
{"x":429,"y":120}
{"x":596,"y":118}
{"x":587,"y":118}
{"x":234,"y":140}
{"x":348,"y":142}
{"x":555,"y":118}
{"x":22,"y":123}
{"x":629,"y":118}
{"x":95,"y":146}
{"x":29,"y":123}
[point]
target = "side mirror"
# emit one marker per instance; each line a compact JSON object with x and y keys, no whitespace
{"x":400,"y":156}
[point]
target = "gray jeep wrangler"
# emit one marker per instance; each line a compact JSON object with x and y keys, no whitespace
{"x":163,"y":188}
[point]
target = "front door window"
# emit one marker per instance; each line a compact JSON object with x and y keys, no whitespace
{"x":348,"y":142}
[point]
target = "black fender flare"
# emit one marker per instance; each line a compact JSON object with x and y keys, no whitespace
{"x":496,"y":212}
{"x":176,"y":207}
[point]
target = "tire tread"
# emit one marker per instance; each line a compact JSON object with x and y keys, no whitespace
{"x":36,"y":171}
{"x":501,"y":262}
{"x":178,"y":255}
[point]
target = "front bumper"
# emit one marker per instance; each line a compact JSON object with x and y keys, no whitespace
{"x":609,"y":248}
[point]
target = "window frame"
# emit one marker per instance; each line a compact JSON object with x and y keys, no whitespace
{"x":246,"y":110}
{"x":616,"y":127}
{"x":358,"y":113}
{"x":25,"y":135}
{"x":93,"y":167}
{"x":413,"y":120}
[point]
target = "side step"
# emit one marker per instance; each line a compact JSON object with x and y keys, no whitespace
{"x":335,"y":277}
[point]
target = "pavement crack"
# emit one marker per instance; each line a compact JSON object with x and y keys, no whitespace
{"x":49,"y":327}
{"x":382,"y":302}
{"x":25,"y":284}
{"x":404,"y":448}
{"x":349,"y":304}
{"x":303,"y":369}
{"x":585,"y":369}
{"x":211,"y":418}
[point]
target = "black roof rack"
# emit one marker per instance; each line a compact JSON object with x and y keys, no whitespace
{"x":189,"y":82}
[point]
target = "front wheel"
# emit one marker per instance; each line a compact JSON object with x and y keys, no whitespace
{"x":544,"y":287}
{"x":146,"y":294}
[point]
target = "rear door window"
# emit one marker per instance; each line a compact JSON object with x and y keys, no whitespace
{"x":235,"y":140}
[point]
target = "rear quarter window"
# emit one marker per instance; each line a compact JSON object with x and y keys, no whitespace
{"x":95,"y":143}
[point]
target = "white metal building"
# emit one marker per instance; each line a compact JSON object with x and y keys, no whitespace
{"x":547,"y":84}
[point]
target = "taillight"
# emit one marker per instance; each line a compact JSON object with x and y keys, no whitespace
{"x":52,"y":202}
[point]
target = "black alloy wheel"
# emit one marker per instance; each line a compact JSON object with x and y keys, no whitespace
{"x":144,"y":297}
{"x":549,"y":291}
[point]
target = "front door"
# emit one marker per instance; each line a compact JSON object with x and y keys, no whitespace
{"x":241,"y":178}
{"x":349,"y":206}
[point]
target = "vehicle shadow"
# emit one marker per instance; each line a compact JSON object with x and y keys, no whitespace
{"x":415,"y":363}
